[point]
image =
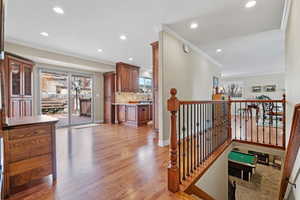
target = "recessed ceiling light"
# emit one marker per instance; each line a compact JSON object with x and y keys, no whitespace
{"x":58,"y":10}
{"x":123,"y":37}
{"x":99,"y":50}
{"x":131,"y":59}
{"x":194,"y":25}
{"x":219,"y":50}
{"x":250,"y":4}
{"x":45,"y":34}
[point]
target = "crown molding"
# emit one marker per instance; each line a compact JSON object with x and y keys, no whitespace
{"x":191,"y":45}
{"x":285,"y":14}
{"x":244,"y":75}
{"x":52,"y":50}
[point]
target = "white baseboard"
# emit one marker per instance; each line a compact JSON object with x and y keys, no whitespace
{"x":99,"y":121}
{"x":163,"y":143}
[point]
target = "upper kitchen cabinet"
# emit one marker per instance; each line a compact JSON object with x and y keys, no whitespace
{"x":2,"y":29}
{"x":18,"y":77}
{"x":127,"y":77}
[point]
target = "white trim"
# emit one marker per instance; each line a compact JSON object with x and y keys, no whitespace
{"x":51,"y":50}
{"x":191,"y":45}
{"x":251,"y":74}
{"x":163,"y":143}
{"x":285,"y":14}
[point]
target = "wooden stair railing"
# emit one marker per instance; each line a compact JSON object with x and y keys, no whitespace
{"x":193,"y":189}
{"x":200,"y":132}
{"x":259,"y":122}
{"x":291,"y":153}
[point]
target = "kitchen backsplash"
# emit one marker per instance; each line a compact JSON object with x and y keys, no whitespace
{"x":125,"y":97}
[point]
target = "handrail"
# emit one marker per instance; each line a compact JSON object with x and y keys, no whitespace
{"x":260,"y":122}
{"x":201,"y":130}
{"x":193,"y":189}
{"x":292,"y":152}
{"x":198,"y":131}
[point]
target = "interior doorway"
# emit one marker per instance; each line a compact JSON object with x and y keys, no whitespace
{"x":67,"y":96}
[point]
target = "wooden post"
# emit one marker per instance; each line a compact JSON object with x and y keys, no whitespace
{"x":284,"y":120}
{"x":229,"y":119}
{"x":173,"y":170}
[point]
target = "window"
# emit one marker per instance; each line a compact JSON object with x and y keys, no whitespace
{"x":145,"y":84}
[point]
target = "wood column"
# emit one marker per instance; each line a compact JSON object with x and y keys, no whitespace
{"x":173,"y":170}
{"x":155,"y":69}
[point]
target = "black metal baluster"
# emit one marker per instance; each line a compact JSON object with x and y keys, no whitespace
{"x":195,"y":139}
{"x":263,"y":125}
{"x":246,"y":121}
{"x":270,"y":123}
{"x":179,"y":143}
{"x":234,"y":120}
{"x":201,"y":127}
{"x":204,"y":131}
{"x":198,"y":158}
{"x":276,"y":112}
{"x":184,"y":141}
{"x":191,"y":145}
{"x":188,"y":140}
{"x":240,"y":121}
{"x":251,"y":124}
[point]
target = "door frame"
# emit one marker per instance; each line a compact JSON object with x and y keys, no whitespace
{"x":68,"y":73}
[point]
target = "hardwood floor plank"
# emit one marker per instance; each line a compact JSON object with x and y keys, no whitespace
{"x":105,"y":162}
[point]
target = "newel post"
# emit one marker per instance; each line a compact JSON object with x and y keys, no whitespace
{"x":284,"y":119}
{"x":229,"y":119}
{"x":173,"y":170}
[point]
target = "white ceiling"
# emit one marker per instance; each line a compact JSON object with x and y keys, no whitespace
{"x":250,"y":38}
{"x":89,"y":25}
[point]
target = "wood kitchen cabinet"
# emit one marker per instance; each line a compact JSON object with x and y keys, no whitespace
{"x":127,"y":77}
{"x":109,"y":96}
{"x":29,"y":151}
{"x":18,"y":74}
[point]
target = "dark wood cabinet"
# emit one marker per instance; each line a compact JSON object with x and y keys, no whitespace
{"x":121,"y":113}
{"x":127,"y":77}
{"x":109,"y":97}
{"x":29,"y":151}
{"x":155,"y":69}
{"x":18,"y":74}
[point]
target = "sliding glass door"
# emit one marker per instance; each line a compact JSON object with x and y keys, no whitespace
{"x":81,"y":99}
{"x":66,"y":96}
{"x":54,"y":95}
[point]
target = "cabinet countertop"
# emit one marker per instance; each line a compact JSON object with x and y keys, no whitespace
{"x":13,"y":122}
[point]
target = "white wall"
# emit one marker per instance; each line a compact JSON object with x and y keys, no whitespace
{"x":292,"y":74}
{"x":215,"y":180}
{"x":260,"y":80}
{"x":191,"y":74}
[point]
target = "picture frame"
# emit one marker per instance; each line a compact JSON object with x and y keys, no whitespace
{"x":256,"y":89}
{"x":270,"y":88}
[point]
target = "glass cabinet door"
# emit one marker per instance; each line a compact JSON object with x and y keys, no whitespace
{"x":15,"y":74}
{"x":27,"y":80}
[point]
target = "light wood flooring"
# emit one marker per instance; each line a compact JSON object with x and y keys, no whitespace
{"x":108,"y":162}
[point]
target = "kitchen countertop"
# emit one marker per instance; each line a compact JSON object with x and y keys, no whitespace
{"x":12,"y":122}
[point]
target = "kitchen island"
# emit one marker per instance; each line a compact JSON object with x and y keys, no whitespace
{"x":29,"y":151}
{"x":133,"y":114}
